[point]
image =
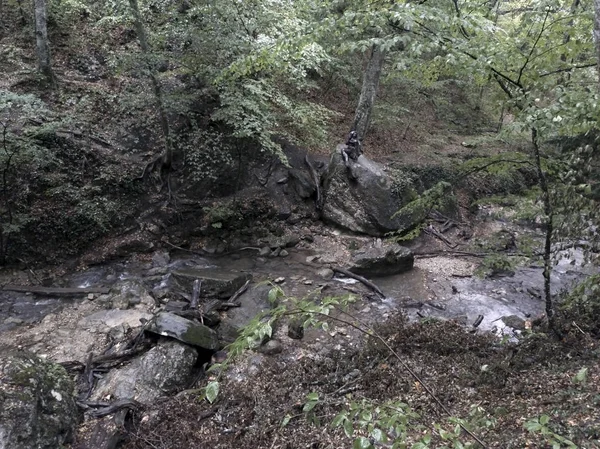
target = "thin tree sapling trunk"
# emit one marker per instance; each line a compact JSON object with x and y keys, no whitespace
{"x":549,"y":213}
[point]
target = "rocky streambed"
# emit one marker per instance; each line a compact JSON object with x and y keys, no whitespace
{"x":130,"y":333}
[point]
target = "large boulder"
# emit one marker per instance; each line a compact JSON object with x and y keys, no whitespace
{"x":37,"y":404}
{"x":363,"y":196}
{"x":384,"y":261}
{"x":163,"y":370}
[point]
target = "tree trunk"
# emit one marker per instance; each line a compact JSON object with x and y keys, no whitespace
{"x":41,"y":40}
{"x":597,"y":32}
{"x":156,"y":87}
{"x":369,"y":91}
{"x":549,"y":213}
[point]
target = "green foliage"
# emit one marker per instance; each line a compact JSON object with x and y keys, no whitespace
{"x":541,"y":427}
{"x":20,"y":159}
{"x":581,"y":376}
{"x":495,"y":264}
{"x":208,"y":153}
{"x":438,"y":197}
{"x":580,"y":308}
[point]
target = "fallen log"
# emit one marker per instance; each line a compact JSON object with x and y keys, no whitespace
{"x":360,"y":279}
{"x":55,"y":291}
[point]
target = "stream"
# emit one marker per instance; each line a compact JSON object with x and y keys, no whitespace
{"x":446,"y":286}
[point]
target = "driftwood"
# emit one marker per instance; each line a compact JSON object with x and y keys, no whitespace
{"x":435,"y":306}
{"x":196,"y":294}
{"x":238,"y":293}
{"x":435,"y":233}
{"x":54,"y":291}
{"x":360,"y":279}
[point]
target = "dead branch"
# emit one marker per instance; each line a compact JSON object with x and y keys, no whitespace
{"x":360,"y":279}
{"x":54,"y":291}
{"x":238,"y":293}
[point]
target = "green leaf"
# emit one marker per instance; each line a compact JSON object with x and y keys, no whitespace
{"x":212,"y":391}
{"x":348,"y":428}
{"x":544,"y":419}
{"x":309,"y":406}
{"x":581,"y":376}
{"x":286,"y":419}
{"x":362,"y":443}
{"x":377,"y":435}
{"x":274,"y":294}
{"x":532,"y":426}
{"x":339,"y":419}
{"x":312,"y":396}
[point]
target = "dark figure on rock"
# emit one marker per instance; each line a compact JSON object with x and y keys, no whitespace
{"x":353,"y":147}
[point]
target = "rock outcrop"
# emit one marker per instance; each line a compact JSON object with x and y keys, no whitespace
{"x":163,"y":370}
{"x":363,"y":196}
{"x":37,"y":406}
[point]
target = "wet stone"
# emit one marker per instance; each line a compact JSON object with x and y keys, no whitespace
{"x":216,"y":283}
{"x":184,"y":330}
{"x":271,"y":347}
{"x":383,"y":261}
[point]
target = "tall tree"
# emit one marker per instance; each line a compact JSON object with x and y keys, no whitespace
{"x":370,"y":86}
{"x":166,"y":158}
{"x":41,"y":40}
{"x":597,"y":31}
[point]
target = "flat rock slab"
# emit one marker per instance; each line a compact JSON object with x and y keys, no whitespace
{"x":216,"y":283}
{"x":385,"y":261}
{"x":187,"y":331}
{"x":104,"y":320}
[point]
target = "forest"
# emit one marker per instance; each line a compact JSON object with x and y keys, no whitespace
{"x":376,"y":222}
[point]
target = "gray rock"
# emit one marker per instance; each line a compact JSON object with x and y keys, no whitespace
{"x":283,"y":253}
{"x":105,"y":320}
{"x":187,"y":331}
{"x":364,"y":197}
{"x":129,"y":292}
{"x":216,"y":283}
{"x":157,"y":271}
{"x":325,"y":273}
{"x":302,"y":183}
{"x":264,"y":251}
{"x":253,"y":301}
{"x":384,"y":261}
{"x":163,"y":370}
{"x":37,"y":407}
{"x":160,"y":259}
{"x":120,"y":302}
{"x":271,"y":347}
{"x":514,"y":321}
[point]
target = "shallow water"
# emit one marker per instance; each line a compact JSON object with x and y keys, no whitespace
{"x":461,"y":298}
